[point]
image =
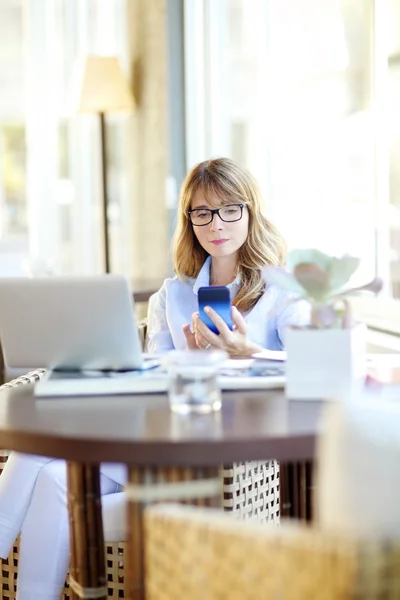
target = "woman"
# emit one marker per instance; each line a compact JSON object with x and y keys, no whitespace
{"x":222,"y":238}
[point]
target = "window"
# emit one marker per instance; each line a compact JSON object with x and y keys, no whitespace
{"x":13,"y":205}
{"x":50,"y":210}
{"x":393,"y":125}
{"x":304,"y":95}
{"x":13,"y":156}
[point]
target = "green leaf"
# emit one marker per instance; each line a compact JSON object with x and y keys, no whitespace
{"x":341,"y":269}
{"x":310,"y":255}
{"x":374,"y":286}
{"x":283,"y":279}
{"x":313,"y":279}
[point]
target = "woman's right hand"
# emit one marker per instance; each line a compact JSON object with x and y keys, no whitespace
{"x":191,"y":343}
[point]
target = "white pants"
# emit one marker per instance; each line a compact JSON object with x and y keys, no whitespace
{"x":33,"y":502}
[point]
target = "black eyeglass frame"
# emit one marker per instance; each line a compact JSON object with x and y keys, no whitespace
{"x":213,"y":212}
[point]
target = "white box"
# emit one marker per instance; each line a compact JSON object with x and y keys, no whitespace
{"x":324,"y":363}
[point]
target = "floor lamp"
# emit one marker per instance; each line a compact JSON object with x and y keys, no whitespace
{"x":101,"y":88}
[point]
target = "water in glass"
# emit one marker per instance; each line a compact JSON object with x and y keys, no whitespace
{"x":193,"y":383}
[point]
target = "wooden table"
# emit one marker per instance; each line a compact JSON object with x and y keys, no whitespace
{"x":168,"y":456}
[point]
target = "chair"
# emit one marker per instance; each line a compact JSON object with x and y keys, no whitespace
{"x":195,"y":553}
{"x":250,"y":490}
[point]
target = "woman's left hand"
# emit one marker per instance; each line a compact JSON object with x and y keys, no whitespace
{"x":235,"y":342}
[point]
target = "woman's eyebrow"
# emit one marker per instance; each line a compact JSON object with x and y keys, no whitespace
{"x":200,"y":206}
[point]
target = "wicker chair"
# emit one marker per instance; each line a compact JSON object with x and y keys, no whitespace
{"x":195,"y":553}
{"x":250,"y":490}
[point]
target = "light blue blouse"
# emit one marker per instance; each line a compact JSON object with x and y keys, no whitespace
{"x":173,"y":305}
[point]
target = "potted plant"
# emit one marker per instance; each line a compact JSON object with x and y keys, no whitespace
{"x":327,"y":357}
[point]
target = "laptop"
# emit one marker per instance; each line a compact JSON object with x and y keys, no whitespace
{"x":70,"y":324}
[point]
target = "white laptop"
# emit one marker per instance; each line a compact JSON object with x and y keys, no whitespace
{"x":69,"y":324}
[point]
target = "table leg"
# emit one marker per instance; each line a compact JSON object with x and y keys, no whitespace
{"x":87,"y":564}
{"x":189,"y":485}
{"x":285,"y":501}
{"x":296,"y":490}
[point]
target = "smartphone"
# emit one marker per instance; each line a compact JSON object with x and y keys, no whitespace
{"x":218,"y":298}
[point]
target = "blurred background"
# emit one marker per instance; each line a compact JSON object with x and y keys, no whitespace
{"x":305,"y":94}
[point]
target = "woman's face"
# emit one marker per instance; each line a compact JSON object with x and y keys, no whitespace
{"x":219,"y":238}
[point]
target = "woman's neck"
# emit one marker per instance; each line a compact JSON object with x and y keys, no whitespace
{"x":223,"y":270}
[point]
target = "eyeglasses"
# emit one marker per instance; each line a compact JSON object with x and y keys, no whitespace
{"x":204,"y":216}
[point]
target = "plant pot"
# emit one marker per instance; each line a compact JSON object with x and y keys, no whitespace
{"x":325,"y":363}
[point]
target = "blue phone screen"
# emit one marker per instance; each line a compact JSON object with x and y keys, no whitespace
{"x":218,"y":298}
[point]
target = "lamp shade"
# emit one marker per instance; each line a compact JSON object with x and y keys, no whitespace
{"x":100,"y":86}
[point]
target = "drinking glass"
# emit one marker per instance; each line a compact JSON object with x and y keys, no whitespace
{"x":193,"y":380}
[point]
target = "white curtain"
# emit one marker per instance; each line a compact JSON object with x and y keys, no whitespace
{"x":63,"y":169}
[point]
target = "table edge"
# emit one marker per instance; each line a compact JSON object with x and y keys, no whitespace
{"x":184,"y":453}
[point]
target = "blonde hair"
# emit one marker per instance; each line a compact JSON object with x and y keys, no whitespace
{"x":264,"y":245}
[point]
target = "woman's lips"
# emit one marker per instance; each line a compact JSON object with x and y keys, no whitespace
{"x":219,"y":242}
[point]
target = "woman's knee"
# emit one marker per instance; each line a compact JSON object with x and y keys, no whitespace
{"x":29,"y":459}
{"x":52,"y":478}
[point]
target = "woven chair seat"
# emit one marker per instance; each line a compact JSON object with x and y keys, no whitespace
{"x":195,"y":553}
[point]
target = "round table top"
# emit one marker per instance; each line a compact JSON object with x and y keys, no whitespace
{"x":141,"y":429}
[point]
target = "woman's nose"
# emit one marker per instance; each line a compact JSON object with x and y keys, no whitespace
{"x":216,"y":223}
